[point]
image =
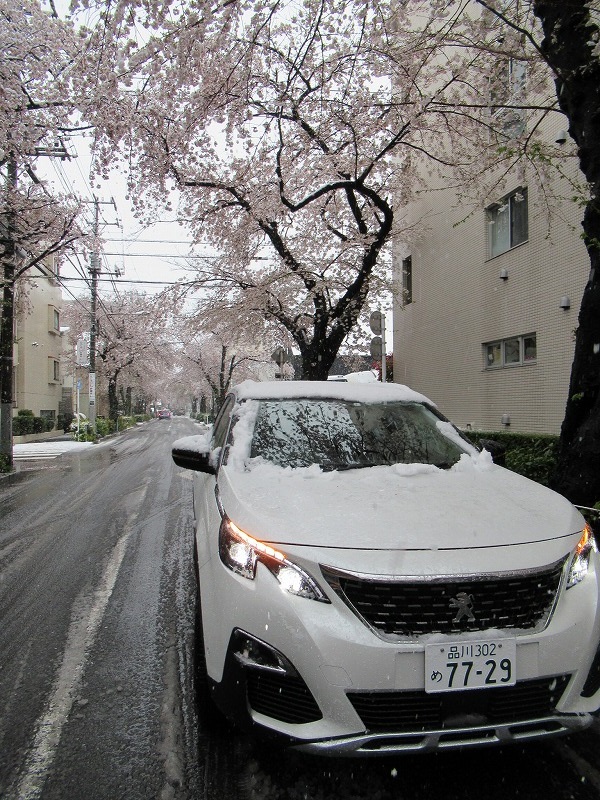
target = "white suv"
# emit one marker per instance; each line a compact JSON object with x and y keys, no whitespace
{"x":371,"y":583}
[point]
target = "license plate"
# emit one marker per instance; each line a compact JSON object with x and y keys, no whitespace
{"x":455,"y":666}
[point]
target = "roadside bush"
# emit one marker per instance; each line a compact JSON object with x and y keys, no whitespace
{"x":86,"y":433}
{"x":531,"y":455}
{"x":126,"y":422}
{"x":102,"y":426}
{"x":4,"y":464}
{"x":64,"y":422}
{"x":25,"y":423}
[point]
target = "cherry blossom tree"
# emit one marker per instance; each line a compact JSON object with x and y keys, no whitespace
{"x":218,"y":349}
{"x":296,"y":135}
{"x":288,"y":130}
{"x":134,"y":348}
{"x":36,"y":54}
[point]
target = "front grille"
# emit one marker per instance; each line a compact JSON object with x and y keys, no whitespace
{"x":398,"y":712}
{"x":405,"y":608}
{"x":280,"y":696}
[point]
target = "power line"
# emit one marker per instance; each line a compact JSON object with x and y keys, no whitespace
{"x":160,"y":241}
{"x":125,"y":280}
{"x":160,"y":255}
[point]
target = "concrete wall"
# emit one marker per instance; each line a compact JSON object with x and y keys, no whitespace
{"x":38,"y":346}
{"x":460,"y":302}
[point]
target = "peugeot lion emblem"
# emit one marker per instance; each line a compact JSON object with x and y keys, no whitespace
{"x":463,"y":603}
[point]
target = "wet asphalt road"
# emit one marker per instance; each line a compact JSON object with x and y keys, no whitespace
{"x":96,"y":640}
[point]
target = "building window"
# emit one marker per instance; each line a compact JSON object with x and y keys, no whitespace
{"x":53,"y":319}
{"x":407,"y":295}
{"x":508,"y":223}
{"x":54,"y":370}
{"x":507,"y":83}
{"x":48,"y":414}
{"x":510,"y":352}
{"x":507,"y":93}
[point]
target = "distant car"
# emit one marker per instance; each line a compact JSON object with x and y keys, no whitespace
{"x":164,"y":413}
{"x":371,"y":583}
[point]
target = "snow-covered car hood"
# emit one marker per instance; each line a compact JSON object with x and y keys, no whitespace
{"x":402,"y":507}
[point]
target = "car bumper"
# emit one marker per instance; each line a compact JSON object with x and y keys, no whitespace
{"x":345,"y":691}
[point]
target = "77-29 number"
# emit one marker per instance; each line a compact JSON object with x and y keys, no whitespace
{"x":497,"y":672}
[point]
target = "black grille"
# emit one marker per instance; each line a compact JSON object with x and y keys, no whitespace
{"x":411,"y":609}
{"x":283,"y":697}
{"x":592,"y":682}
{"x":397,"y":712}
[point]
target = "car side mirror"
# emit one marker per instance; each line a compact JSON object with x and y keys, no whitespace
{"x":193,"y":452}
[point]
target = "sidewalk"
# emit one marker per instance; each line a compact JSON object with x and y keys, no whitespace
{"x":49,"y":449}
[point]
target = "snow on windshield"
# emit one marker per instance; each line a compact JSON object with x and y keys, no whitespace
{"x":337,"y":434}
{"x":376,"y":392}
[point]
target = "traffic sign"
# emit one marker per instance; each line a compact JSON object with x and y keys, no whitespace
{"x":279,"y":355}
{"x":376,"y":347}
{"x":376,"y":321}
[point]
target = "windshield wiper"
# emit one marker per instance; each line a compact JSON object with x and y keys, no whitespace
{"x":346,"y":466}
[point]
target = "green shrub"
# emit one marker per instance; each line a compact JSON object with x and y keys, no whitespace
{"x":86,"y":433}
{"x":4,"y":463}
{"x":22,"y":424}
{"x":25,"y":423}
{"x":64,"y":422}
{"x":529,"y":454}
{"x":102,"y":426}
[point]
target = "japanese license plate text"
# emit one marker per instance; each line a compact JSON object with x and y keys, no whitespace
{"x":453,"y":666}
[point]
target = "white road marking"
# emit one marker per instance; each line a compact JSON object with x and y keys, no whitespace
{"x":86,"y":617}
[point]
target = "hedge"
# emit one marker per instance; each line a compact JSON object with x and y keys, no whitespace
{"x":530,"y":454}
{"x":26,"y":423}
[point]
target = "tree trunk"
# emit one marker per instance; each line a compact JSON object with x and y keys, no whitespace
{"x":6,"y":325}
{"x":577,"y":473}
{"x":113,"y":398}
{"x":569,"y":49}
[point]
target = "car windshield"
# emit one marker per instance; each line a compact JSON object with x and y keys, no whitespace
{"x":338,"y":434}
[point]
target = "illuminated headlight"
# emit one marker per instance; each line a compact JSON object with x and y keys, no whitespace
{"x":580,"y":561}
{"x":241,"y":553}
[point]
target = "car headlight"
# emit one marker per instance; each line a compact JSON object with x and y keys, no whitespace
{"x":241,"y":553}
{"x":580,"y":560}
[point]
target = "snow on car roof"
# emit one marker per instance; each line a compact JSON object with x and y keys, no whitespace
{"x":362,"y":392}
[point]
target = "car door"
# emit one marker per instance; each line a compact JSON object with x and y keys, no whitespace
{"x":207,"y":516}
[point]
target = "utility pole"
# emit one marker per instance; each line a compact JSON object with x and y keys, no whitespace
{"x":6,"y":322}
{"x":95,"y":271}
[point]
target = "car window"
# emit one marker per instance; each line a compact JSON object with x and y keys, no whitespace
{"x":342,"y":435}
{"x":221,"y":426}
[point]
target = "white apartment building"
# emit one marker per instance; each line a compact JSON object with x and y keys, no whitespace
{"x":484,"y":321}
{"x":38,"y":344}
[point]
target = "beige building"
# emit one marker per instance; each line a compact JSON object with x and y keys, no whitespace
{"x":38,"y":345}
{"x":484,"y":322}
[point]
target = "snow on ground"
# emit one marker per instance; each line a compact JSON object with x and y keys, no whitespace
{"x":50,"y":447}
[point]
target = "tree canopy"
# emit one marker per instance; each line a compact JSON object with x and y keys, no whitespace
{"x":295,"y":135}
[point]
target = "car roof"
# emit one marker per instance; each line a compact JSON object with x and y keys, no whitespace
{"x":359,"y":392}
